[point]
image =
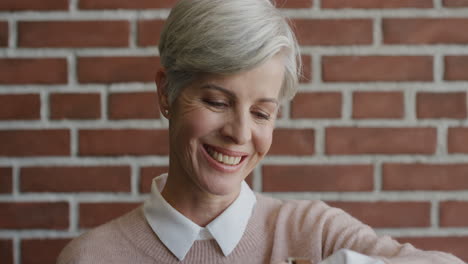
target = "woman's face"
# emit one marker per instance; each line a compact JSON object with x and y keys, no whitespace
{"x":221,"y":127}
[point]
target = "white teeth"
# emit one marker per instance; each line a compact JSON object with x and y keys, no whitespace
{"x":224,"y":158}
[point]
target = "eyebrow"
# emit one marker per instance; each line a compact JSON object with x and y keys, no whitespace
{"x":233,"y":95}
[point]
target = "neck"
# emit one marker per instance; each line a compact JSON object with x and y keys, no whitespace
{"x":194,"y":203}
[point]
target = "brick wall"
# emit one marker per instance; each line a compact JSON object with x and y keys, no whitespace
{"x":379,"y":127}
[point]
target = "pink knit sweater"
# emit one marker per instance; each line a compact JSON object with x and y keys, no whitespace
{"x":277,"y":230}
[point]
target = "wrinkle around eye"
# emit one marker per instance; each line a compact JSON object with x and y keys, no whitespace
{"x":262,"y":115}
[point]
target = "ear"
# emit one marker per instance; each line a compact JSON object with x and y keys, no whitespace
{"x":163,"y":96}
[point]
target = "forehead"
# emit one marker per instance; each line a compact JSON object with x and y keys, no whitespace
{"x":264,"y":80}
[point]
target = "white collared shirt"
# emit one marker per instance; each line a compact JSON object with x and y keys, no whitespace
{"x":178,"y":233}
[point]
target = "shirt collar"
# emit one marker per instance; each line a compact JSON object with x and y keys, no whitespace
{"x":178,"y":233}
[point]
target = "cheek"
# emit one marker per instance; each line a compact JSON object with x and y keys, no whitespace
{"x":262,"y":139}
{"x":200,"y":123}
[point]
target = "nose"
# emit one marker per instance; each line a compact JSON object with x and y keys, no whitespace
{"x":237,"y":129}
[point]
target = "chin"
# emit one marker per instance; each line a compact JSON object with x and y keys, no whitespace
{"x":222,"y":187}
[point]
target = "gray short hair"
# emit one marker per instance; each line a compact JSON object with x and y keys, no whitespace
{"x":226,"y":37}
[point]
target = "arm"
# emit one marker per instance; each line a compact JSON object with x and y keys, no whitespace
{"x":340,"y":230}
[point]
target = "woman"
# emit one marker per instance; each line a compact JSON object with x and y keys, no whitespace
{"x":227,"y":65}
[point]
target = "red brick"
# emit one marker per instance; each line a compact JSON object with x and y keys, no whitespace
{"x":316,"y":105}
{"x":117,"y":69}
{"x":38,"y":251}
{"x":148,"y":4}
{"x":333,"y":31}
{"x":306,"y":75}
{"x":317,"y":178}
{"x":380,"y":4}
{"x":378,"y":105}
{"x":147,"y":174}
{"x":454,"y":214}
{"x":456,"y":68}
{"x":457,"y":140}
{"x":149,"y":32}
{"x":380,"y":140}
{"x":73,"y":33}
{"x":22,"y":5}
{"x":75,"y":179}
{"x":125,"y":4}
{"x":441,"y":105}
{"x":4,"y":33}
{"x":52,"y":142}
{"x":94,"y":214}
{"x":293,"y":142}
{"x":408,"y":177}
{"x":34,"y":215}
{"x":455,"y":3}
{"x":141,"y":105}
{"x":376,"y":68}
{"x":75,"y":106}
{"x":20,"y":106}
{"x":33,"y":71}
{"x":425,"y":31}
{"x":454,"y":245}
{"x":389,"y":214}
{"x":294,"y":3}
{"x":6,"y":180}
{"x":6,"y":251}
{"x":123,"y":142}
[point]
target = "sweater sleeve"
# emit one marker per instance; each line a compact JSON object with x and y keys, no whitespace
{"x":340,"y":230}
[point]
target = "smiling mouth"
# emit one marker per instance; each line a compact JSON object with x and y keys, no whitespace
{"x":223,"y":158}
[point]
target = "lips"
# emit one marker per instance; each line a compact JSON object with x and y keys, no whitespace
{"x":225,"y":157}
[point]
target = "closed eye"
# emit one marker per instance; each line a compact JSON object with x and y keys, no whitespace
{"x":261,"y":115}
{"x":217,"y":104}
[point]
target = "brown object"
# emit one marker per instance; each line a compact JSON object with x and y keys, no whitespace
{"x":378,"y":105}
{"x":454,"y":214}
{"x":317,"y":178}
{"x":95,"y":214}
{"x":109,"y":142}
{"x":125,"y":4}
{"x":34,"y":215}
{"x":35,"y":251}
{"x":333,"y":31}
{"x":380,"y":4}
{"x":316,"y":105}
{"x":4,"y":34}
{"x":20,"y":107}
{"x":456,"y":68}
{"x":380,"y":140}
{"x":33,"y":71}
{"x":376,"y":68}
{"x":43,"y":5}
{"x":73,"y":34}
{"x":117,"y":69}
{"x":293,"y":142}
{"x":149,"y":31}
{"x":430,"y":177}
{"x":425,"y":30}
{"x":141,"y":105}
{"x":457,"y":141}
{"x":441,"y":105}
{"x":46,"y":142}
{"x":75,"y":179}
{"x":6,"y":180}
{"x":6,"y":251}
{"x":75,"y":106}
{"x":455,"y":3}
